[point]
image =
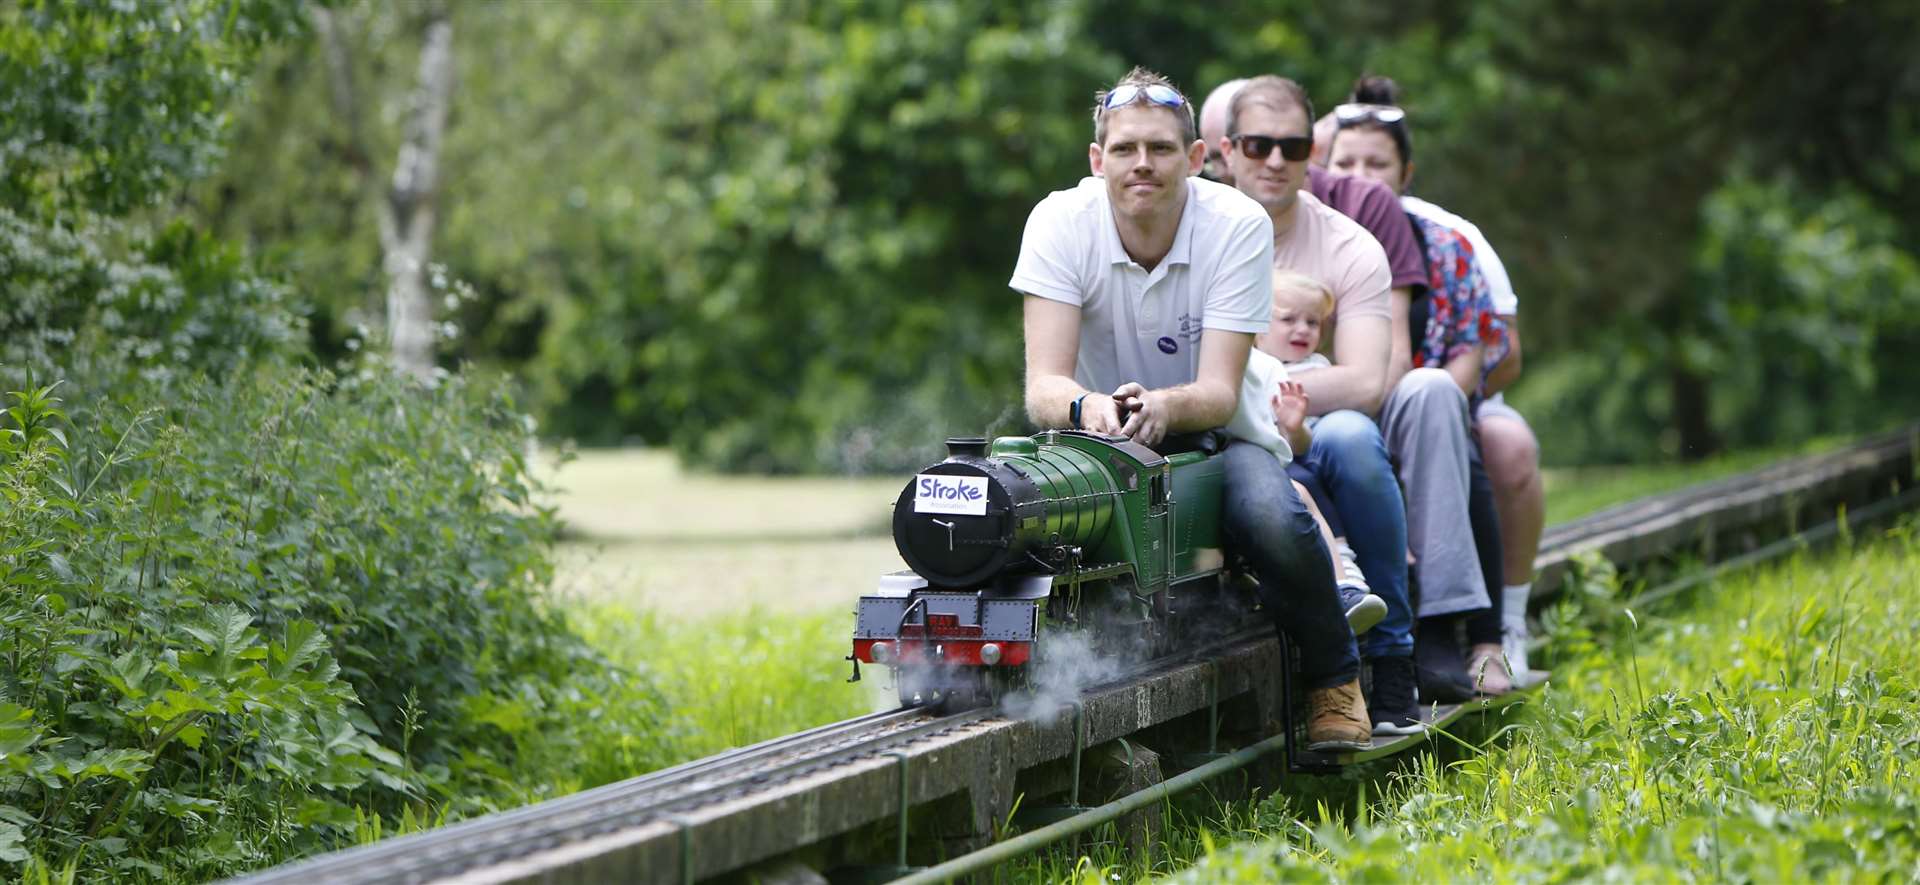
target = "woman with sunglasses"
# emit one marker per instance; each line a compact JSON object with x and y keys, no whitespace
{"x":1455,"y":326}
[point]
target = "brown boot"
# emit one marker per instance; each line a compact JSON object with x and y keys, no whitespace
{"x":1487,"y":668}
{"x":1338,"y":719}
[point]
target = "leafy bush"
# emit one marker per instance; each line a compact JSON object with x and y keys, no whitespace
{"x":99,"y":297}
{"x":1804,"y":309}
{"x":246,"y":611}
{"x":110,"y":105}
{"x":241,"y":611}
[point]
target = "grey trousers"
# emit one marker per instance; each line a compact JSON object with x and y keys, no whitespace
{"x":1425,"y":423}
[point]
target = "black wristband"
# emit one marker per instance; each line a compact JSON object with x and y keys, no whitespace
{"x":1073,"y":411}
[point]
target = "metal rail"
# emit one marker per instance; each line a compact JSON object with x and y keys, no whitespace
{"x":494,"y":838}
{"x":464,"y":847}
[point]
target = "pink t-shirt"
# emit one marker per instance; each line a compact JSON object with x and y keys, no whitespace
{"x":1338,"y":252}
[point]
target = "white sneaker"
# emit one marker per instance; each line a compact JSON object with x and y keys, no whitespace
{"x":1513,"y":641}
{"x":1350,"y":574}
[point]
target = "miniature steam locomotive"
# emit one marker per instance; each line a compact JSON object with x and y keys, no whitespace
{"x":1010,"y":542}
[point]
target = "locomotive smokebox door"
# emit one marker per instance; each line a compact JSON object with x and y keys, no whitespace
{"x":954,"y":522}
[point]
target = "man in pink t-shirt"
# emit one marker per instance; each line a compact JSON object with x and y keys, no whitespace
{"x":1265,"y":148}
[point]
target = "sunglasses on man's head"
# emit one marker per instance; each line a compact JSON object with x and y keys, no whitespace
{"x":1257,"y":147}
{"x":1351,"y":114}
{"x":1129,"y":93}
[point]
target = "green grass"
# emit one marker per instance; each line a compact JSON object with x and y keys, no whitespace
{"x":647,"y":535}
{"x":732,"y":680}
{"x":689,"y":688}
{"x":1573,"y":492}
{"x":1766,"y":727}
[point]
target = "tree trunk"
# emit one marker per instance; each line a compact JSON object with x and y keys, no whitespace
{"x":1691,"y":406}
{"x":335,"y":44}
{"x":406,"y":222}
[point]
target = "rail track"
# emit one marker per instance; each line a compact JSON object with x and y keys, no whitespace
{"x":822,"y":786}
{"x":656,"y":796}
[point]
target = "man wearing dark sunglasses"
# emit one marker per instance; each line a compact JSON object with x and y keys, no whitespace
{"x":1265,"y":149}
{"x":1144,"y":287}
{"x":1370,"y":203}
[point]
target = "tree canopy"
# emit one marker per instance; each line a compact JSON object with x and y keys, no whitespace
{"x":777,"y":237}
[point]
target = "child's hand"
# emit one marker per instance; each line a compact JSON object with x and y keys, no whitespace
{"x":1290,"y":407}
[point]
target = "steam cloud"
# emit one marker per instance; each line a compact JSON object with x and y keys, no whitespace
{"x":1068,"y":663}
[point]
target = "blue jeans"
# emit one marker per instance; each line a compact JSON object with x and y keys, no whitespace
{"x":1268,"y":524}
{"x":1349,"y":458}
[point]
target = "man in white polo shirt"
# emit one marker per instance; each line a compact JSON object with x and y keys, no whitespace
{"x":1144,"y":288}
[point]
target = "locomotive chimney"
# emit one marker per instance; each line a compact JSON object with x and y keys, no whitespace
{"x":966,"y":446}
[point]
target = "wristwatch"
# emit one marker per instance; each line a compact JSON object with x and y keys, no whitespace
{"x":1073,"y":411}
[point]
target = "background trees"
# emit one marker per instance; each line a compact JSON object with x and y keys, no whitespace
{"x":777,"y":237}
{"x":718,"y":227}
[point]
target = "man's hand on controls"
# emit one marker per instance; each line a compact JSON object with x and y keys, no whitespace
{"x":1099,"y":413}
{"x":1146,"y":411}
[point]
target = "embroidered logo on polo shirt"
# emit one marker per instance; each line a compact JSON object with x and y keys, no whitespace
{"x":1167,"y":344}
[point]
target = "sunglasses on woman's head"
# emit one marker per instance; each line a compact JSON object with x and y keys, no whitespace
{"x":1129,"y":93}
{"x":1350,"y":114}
{"x":1257,"y":147}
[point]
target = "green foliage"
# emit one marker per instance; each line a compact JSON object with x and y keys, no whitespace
{"x":732,"y":248}
{"x":777,"y":237}
{"x":101,"y":298}
{"x":107,"y":106}
{"x":236,"y":615}
{"x":1763,"y":733}
{"x":1803,"y":308}
{"x":247,"y":611}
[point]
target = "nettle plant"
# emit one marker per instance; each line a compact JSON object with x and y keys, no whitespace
{"x":239,"y":621}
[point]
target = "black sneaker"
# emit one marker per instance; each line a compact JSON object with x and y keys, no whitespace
{"x":1444,"y":686}
{"x":1440,"y":671}
{"x":1391,"y":704}
{"x":1363,"y":609}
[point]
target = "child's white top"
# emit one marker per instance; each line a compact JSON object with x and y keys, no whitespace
{"x":1309,"y":363}
{"x":1253,"y":420}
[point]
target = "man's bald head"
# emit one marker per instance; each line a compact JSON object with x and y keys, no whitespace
{"x":1324,"y":129}
{"x":1213,"y":127}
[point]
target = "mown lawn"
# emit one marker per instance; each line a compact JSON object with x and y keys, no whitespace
{"x":1573,"y":492}
{"x":1765,"y":727}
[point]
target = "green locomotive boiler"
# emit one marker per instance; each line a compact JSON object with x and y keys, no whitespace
{"x":1011,"y":541}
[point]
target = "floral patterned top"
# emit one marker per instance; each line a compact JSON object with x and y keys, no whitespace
{"x":1460,"y":310}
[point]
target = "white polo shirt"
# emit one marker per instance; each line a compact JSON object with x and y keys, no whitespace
{"x":1505,"y":302}
{"x":1140,"y":325}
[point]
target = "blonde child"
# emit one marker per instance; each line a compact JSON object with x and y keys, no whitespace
{"x":1273,"y":415}
{"x":1301,"y":305}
